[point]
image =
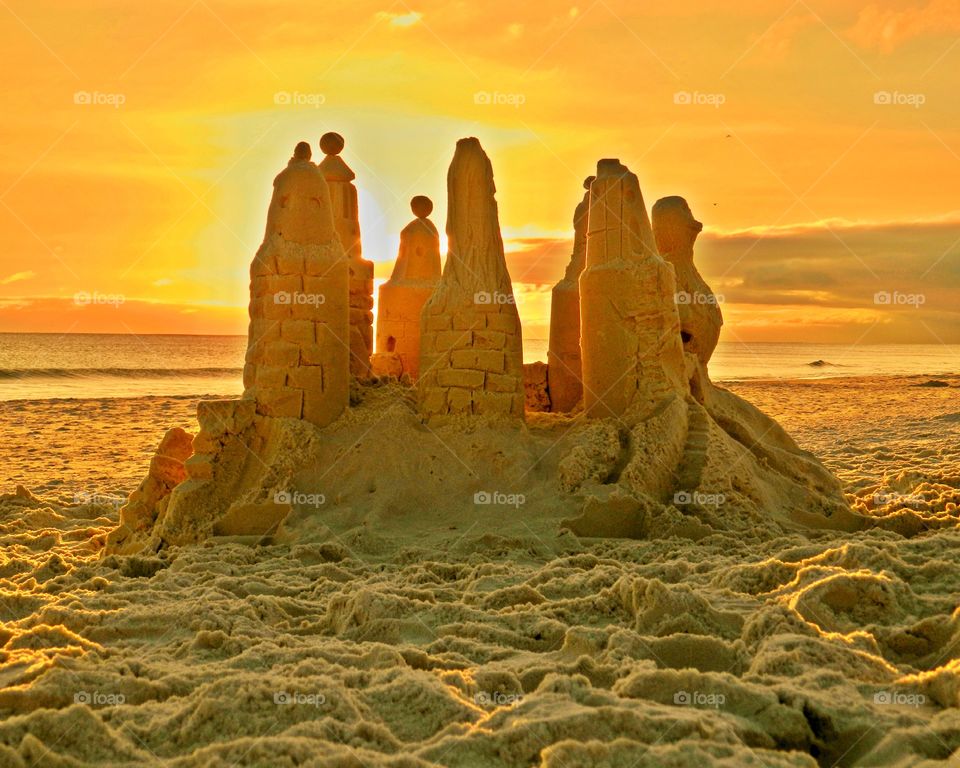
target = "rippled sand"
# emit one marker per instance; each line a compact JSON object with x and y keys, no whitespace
{"x":473,"y":647}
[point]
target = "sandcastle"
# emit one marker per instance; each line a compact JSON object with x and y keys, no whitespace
{"x":346,"y":218}
{"x":652,"y":447}
{"x":630,"y":337}
{"x":676,"y":231}
{"x":402,"y":297}
{"x":297,"y":353}
{"x":471,"y":353}
{"x":565,"y":371}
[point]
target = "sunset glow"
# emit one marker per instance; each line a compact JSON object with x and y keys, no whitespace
{"x":818,"y":143}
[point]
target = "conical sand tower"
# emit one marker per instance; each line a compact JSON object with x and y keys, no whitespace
{"x":402,"y":297}
{"x":630,"y":338}
{"x":297,"y":358}
{"x":471,"y":357}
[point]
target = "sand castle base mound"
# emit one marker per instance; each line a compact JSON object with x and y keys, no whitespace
{"x":380,"y":467}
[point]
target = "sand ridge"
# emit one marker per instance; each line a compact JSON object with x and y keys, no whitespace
{"x":504,"y":641}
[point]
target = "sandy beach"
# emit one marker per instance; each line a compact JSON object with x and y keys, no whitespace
{"x":480,"y":385}
{"x":498,"y":641}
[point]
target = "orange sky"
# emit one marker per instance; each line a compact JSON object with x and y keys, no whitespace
{"x":816,"y":195}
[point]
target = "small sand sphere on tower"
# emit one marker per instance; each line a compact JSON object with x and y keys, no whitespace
{"x":331,"y":143}
{"x":422,"y":206}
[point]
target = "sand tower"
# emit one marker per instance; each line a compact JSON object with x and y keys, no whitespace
{"x":402,"y":297}
{"x":630,"y":337}
{"x":343,"y":196}
{"x":676,"y":231}
{"x":471,"y":356}
{"x":297,"y":360}
{"x":563,"y":356}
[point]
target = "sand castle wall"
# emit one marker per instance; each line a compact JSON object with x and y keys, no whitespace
{"x":346,"y":218}
{"x":630,"y":339}
{"x":471,"y":358}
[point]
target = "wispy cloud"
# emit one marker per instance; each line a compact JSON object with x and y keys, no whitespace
{"x":17,"y":277}
{"x":401,"y":19}
{"x":818,"y":272}
{"x":807,"y":282}
{"x":777,"y":42}
{"x":888,"y":28}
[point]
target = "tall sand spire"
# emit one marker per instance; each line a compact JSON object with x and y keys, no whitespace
{"x":632,"y":353}
{"x":297,"y":354}
{"x":565,"y":378}
{"x":346,"y":218}
{"x":471,"y":357}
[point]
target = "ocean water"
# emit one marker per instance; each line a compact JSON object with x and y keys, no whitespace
{"x":43,"y":366}
{"x":48,"y":366}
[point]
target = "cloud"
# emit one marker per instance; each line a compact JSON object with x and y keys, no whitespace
{"x":778,"y":40}
{"x":813,"y":282}
{"x":538,"y":260}
{"x":824,"y":279}
{"x":806,"y":282}
{"x":401,"y":19}
{"x":46,"y":314}
{"x":887,"y":29}
{"x":17,"y":276}
{"x":844,"y":263}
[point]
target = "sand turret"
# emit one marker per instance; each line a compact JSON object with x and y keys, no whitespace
{"x":563,"y":356}
{"x":402,"y":297}
{"x":676,"y":231}
{"x":346,"y":219}
{"x":630,"y":339}
{"x":297,"y":360}
{"x":296,"y":371}
{"x":471,"y":358}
